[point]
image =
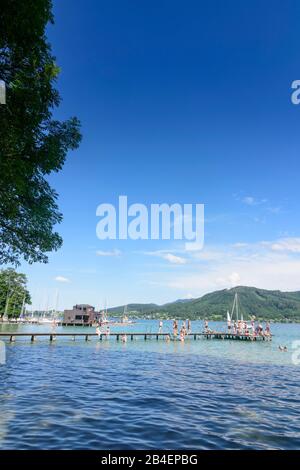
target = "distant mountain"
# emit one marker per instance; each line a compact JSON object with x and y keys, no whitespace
{"x":264,"y":304}
{"x":141,"y":308}
{"x":181,"y":301}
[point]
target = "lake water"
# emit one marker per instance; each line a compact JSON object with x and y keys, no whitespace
{"x":150,"y":394}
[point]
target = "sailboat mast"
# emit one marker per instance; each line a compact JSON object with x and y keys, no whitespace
{"x":235,"y":307}
{"x":22,"y":308}
{"x":56,"y":303}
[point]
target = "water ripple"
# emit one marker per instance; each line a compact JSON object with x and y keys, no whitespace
{"x":94,"y":397}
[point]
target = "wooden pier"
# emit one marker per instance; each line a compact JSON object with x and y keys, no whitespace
{"x":146,"y":336}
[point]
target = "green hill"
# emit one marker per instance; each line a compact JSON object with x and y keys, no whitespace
{"x":264,"y":304}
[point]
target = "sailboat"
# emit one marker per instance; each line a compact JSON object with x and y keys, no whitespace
{"x":125,"y":319}
{"x":21,"y":318}
{"x":5,"y":316}
{"x":235,"y":307}
{"x":236,"y":310}
{"x":104,"y":319}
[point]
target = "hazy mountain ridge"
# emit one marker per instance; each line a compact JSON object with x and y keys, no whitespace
{"x":265,"y":304}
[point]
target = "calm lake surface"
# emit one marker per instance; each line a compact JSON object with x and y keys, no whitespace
{"x":203,"y":394}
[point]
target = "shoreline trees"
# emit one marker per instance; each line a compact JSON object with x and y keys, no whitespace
{"x":14,"y":294}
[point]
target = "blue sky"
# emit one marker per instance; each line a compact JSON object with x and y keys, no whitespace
{"x":186,"y":102}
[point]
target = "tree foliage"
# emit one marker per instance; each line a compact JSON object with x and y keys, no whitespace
{"x":13,"y":292}
{"x":32,"y":143}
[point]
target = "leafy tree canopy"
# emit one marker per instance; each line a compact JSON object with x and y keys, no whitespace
{"x":32,"y":143}
{"x":13,"y":292}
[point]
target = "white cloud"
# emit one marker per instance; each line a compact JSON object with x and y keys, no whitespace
{"x":274,"y":210}
{"x":287,"y":244}
{"x":262,"y":273}
{"x":259,"y":220}
{"x":273,"y":264}
{"x":167,"y":255}
{"x":108,"y":253}
{"x":208,"y":255}
{"x":174,"y":259}
{"x":234,"y":279}
{"x":62,"y":279}
{"x":188,"y":296}
{"x":268,"y":265}
{"x":249,"y":200}
{"x":252,"y":201}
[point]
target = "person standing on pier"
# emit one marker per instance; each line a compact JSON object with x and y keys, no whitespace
{"x":189,"y":326}
{"x":228,"y":323}
{"x":182,"y":334}
{"x":175,"y":328}
{"x":160,"y":327}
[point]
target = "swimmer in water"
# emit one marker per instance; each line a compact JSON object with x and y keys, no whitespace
{"x":124,"y":339}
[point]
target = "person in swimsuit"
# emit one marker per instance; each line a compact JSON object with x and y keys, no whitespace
{"x":175,"y":328}
{"x":98,"y":331}
{"x":182,"y":334}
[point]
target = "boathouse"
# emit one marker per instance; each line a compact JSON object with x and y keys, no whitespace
{"x":81,"y":314}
